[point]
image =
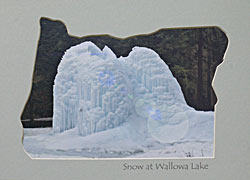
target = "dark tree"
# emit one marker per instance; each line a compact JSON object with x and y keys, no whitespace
{"x":200,"y":69}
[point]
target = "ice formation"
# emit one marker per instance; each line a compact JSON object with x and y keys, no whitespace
{"x":87,"y":91}
{"x":95,"y":91}
{"x":131,"y":106}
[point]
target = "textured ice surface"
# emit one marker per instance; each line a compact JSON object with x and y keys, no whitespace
{"x":131,"y":106}
{"x":87,"y":91}
{"x":96,"y":91}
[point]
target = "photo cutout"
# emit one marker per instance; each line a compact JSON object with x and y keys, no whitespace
{"x":144,"y":96}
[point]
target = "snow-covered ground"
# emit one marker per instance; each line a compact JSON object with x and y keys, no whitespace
{"x":121,"y":142}
{"x":109,"y":107}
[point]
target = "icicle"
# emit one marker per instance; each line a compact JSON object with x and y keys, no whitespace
{"x":91,"y":103}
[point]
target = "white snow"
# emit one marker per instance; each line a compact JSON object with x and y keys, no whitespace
{"x":131,"y":106}
{"x":121,"y":142}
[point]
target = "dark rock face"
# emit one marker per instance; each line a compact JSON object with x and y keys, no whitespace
{"x":192,"y":54}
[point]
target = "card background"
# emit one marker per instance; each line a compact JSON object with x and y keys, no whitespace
{"x":19,"y":34}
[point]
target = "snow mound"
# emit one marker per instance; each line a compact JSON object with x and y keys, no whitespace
{"x":96,"y":91}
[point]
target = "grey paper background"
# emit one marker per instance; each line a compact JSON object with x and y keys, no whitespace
{"x":19,"y":34}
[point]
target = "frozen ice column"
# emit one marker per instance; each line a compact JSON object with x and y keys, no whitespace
{"x":95,"y":91}
{"x":158,"y":96}
{"x":87,"y":91}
